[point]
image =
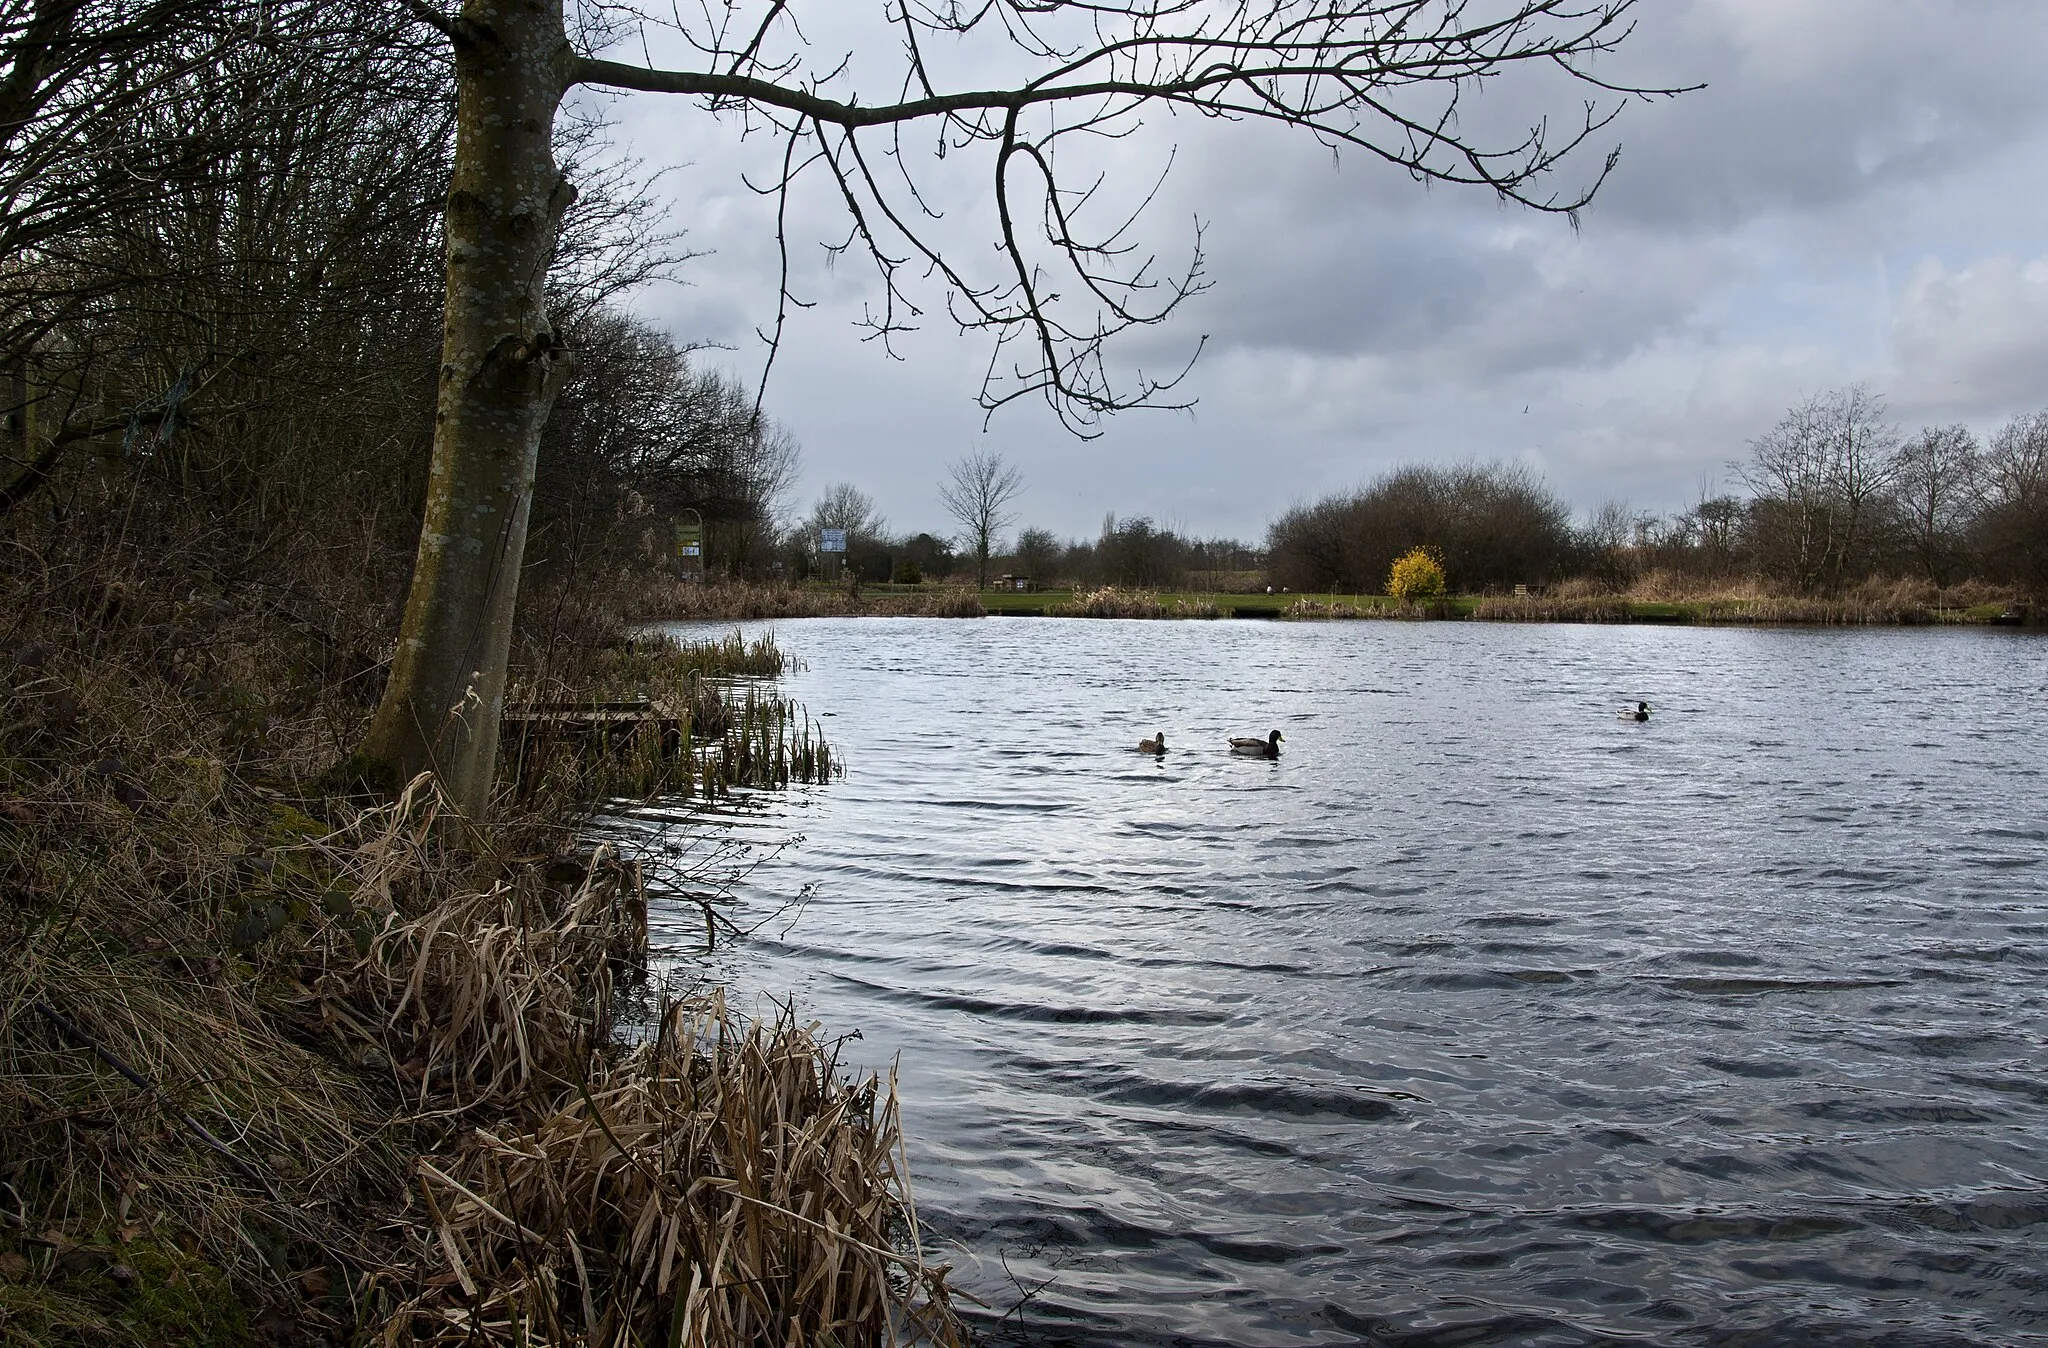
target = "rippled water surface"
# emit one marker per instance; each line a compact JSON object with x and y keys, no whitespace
{"x":1481,"y":1016}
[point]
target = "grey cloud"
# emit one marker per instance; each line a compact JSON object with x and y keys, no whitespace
{"x":1846,"y":201}
{"x":1974,"y":340}
{"x":1818,"y":104}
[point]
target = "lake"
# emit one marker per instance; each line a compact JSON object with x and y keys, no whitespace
{"x":1479,"y":1016}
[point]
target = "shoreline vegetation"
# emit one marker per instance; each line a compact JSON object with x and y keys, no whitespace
{"x":282,"y":1060}
{"x":1874,"y":603}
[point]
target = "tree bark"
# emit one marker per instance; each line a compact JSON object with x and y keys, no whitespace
{"x":500,"y":369}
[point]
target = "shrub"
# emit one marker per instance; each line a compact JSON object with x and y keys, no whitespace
{"x":1417,"y":574}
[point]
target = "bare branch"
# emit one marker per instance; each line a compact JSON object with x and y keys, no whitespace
{"x":1388,"y":78}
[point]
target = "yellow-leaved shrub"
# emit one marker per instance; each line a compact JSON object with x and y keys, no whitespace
{"x":1417,"y":574}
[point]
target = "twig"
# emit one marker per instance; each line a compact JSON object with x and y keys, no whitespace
{"x":142,"y":1083}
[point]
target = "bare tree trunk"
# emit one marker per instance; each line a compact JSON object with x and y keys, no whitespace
{"x":500,"y":368}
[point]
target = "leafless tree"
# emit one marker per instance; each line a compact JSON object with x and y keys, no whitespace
{"x":845,"y":506}
{"x":841,"y":505}
{"x":1937,"y":485}
{"x":2014,"y":524}
{"x":1388,"y":78}
{"x":1613,"y":536}
{"x":977,"y":493}
{"x":640,"y":435}
{"x":1038,"y":554}
{"x":1821,"y":478}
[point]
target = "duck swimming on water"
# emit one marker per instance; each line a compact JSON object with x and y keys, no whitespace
{"x":1268,"y":747}
{"x":1641,"y":713}
{"x":1155,"y":745}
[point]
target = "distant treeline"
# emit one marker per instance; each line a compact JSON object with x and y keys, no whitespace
{"x":1132,"y":552}
{"x":1492,"y":525}
{"x":1837,"y":495}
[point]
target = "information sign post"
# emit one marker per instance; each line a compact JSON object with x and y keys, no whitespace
{"x":690,"y":545}
{"x":832,"y":543}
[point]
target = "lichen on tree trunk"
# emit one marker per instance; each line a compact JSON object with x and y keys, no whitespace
{"x":500,"y":367}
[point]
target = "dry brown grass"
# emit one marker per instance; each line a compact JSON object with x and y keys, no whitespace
{"x":235,"y":1013}
{"x":1111,"y":602}
{"x":1577,"y":600}
{"x":1876,"y":601}
{"x":721,"y":1185}
{"x":736,"y":601}
{"x":1317,"y":610}
{"x":722,"y":1182}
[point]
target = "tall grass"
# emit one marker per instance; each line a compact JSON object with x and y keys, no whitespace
{"x":668,"y":717}
{"x":1873,"y":602}
{"x":1111,"y":602}
{"x":706,"y":1190}
{"x":721,"y":1184}
{"x":245,"y":1023}
{"x":736,"y":601}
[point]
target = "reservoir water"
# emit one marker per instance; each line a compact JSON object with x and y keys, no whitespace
{"x":1481,"y":1016}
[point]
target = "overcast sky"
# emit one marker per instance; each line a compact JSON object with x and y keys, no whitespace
{"x":1855,"y":196}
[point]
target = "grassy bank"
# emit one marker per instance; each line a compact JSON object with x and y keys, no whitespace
{"x":281,"y":1063}
{"x":1886,"y":603}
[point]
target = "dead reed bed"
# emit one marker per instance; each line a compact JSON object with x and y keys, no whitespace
{"x":716,"y":1186}
{"x":1661,"y":596}
{"x":736,"y":601}
{"x":722,"y":1183}
{"x":1112,"y":602}
{"x":732,"y":656}
{"x":1874,"y":602}
{"x":667,"y":717}
{"x":1571,"y":601}
{"x":244,"y":1024}
{"x":1318,"y":610}
{"x":939,"y":602}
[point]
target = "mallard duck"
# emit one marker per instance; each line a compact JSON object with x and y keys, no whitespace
{"x":1155,"y":745}
{"x":1641,"y":713}
{"x":1268,"y":747}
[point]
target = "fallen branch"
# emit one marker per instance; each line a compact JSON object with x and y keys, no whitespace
{"x":199,"y":1130}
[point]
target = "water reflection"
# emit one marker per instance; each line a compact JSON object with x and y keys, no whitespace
{"x":1480,"y":1016}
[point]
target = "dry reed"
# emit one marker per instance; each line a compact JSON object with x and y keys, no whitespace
{"x":1111,"y":602}
{"x":1319,"y":610}
{"x":735,"y":601}
{"x":667,"y":717}
{"x":232,"y":1015}
{"x":721,"y":1185}
{"x":1667,"y":597}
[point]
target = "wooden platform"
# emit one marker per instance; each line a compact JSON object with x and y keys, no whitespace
{"x":533,"y":733}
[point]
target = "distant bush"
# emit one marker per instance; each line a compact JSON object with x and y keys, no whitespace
{"x":1490,"y":526}
{"x":1417,"y":574}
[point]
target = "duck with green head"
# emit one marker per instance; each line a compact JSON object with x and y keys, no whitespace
{"x":1268,"y":747}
